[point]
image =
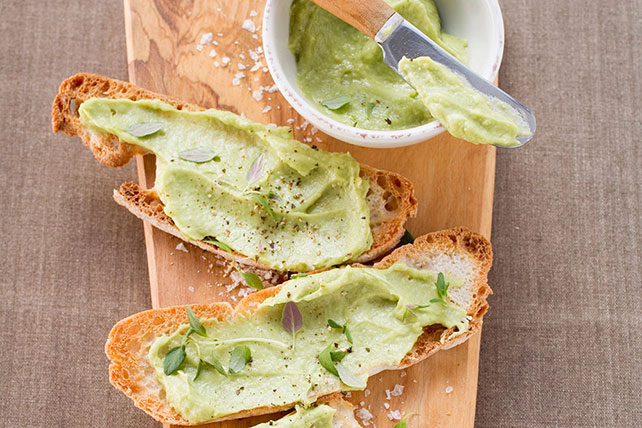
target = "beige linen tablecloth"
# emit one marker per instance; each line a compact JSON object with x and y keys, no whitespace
{"x":562,"y":341}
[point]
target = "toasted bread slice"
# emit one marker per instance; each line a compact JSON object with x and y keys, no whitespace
{"x":391,"y":197}
{"x":456,"y":251}
{"x":344,"y":416}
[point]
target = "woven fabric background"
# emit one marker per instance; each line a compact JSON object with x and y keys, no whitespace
{"x":562,"y":343}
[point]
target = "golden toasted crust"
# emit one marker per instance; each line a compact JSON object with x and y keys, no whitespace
{"x":391,"y":197}
{"x":130,"y":340}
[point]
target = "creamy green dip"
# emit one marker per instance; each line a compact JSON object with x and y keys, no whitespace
{"x":303,"y":209}
{"x":372,"y":303}
{"x":314,"y":417}
{"x":465,"y":112}
{"x":336,"y":60}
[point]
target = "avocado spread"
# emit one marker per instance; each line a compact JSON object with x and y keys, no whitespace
{"x":249,"y":186}
{"x":342,"y":71}
{"x":382,"y":312}
{"x":314,"y":417}
{"x":465,"y":112}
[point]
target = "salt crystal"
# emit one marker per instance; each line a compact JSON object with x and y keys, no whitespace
{"x":257,"y":95}
{"x":199,"y":48}
{"x":259,"y":49}
{"x":212,"y":53}
{"x":253,"y":13}
{"x":241,"y":56}
{"x":386,"y":405}
{"x":181,"y":247}
{"x":387,"y":394}
{"x":206,"y":38}
{"x":397,"y":391}
{"x":256,"y":66}
{"x":214,"y":42}
{"x":449,"y":389}
{"x":289,"y":121}
{"x":348,"y":394}
{"x":191,"y":289}
{"x":242,"y":66}
{"x":253,"y":55}
{"x":220,"y":34}
{"x":265,"y":69}
{"x":255,"y":37}
{"x":403,"y":373}
{"x":216,"y":64}
{"x":364,"y":414}
{"x":366,"y":392}
{"x":394,"y":414}
{"x":226,"y":60}
{"x":249,"y":26}
{"x":266,"y":109}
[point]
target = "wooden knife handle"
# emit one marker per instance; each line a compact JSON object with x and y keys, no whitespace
{"x":367,"y":16}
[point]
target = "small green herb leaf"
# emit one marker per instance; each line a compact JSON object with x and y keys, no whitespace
{"x":216,"y":364}
{"x":334,"y":324}
{"x":407,"y":238}
{"x":347,"y":333}
{"x":401,"y":424}
{"x":349,"y":378}
{"x":291,"y":318}
{"x":261,"y":200}
{"x":256,"y":169}
{"x":198,"y":370}
{"x":435,"y":300}
{"x":325,"y":358}
{"x":198,"y":155}
{"x":219,"y":244}
{"x":145,"y":129}
{"x":252,"y":280}
{"x":187,"y":335}
{"x":240,"y":357}
{"x":173,"y":360}
{"x":195,"y":323}
{"x":299,"y":275}
{"x":336,"y":103}
{"x":442,"y":286}
{"x":338,"y":355}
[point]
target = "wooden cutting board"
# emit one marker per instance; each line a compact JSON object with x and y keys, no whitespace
{"x":453,"y":181}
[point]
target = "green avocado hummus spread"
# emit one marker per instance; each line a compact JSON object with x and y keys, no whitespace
{"x":354,"y":321}
{"x":465,"y":112}
{"x":342,"y":71}
{"x":249,"y":186}
{"x":313,"y":417}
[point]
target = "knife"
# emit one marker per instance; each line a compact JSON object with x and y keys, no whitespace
{"x":398,"y":38}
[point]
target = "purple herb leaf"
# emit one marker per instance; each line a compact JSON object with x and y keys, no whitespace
{"x":256,"y":170}
{"x":292,"y":318}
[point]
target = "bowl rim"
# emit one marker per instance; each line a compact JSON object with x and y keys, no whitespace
{"x":358,"y":136}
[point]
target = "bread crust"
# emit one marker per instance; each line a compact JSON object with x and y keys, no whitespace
{"x":390,"y":198}
{"x":130,"y":339}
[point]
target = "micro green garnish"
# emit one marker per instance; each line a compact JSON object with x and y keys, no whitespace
{"x":299,"y":275}
{"x":199,"y":155}
{"x":145,"y":129}
{"x":261,"y":200}
{"x":342,"y":327}
{"x":325,"y":358}
{"x":256,"y":169}
{"x":241,"y":355}
{"x":336,"y":103}
{"x":338,"y":355}
{"x":195,"y":323}
{"x":407,"y":238}
{"x":219,"y":244}
{"x":216,"y":364}
{"x":291,"y":318}
{"x":173,"y":359}
{"x":251,"y":279}
{"x":402,"y":423}
{"x":442,"y":286}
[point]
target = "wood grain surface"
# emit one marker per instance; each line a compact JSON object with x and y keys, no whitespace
{"x":453,"y":181}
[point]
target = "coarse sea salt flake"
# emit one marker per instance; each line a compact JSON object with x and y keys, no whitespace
{"x":266,"y":109}
{"x":212,"y":53}
{"x":242,"y":66}
{"x":206,"y":38}
{"x":386,"y":405}
{"x":181,"y":247}
{"x":397,"y":391}
{"x":364,"y":414}
{"x":225,"y":60}
{"x":449,"y":389}
{"x":257,"y":95}
{"x":394,"y":414}
{"x":199,"y":48}
{"x":253,"y":13}
{"x":249,"y":25}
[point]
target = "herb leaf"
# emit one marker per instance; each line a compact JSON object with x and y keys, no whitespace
{"x":338,"y":355}
{"x":198,"y":155}
{"x":261,"y":200}
{"x":336,"y":103}
{"x":436,"y":300}
{"x":219,"y":244}
{"x":292,"y":319}
{"x":187,"y":335}
{"x":173,"y":360}
{"x":442,"y":286}
{"x":145,"y":129}
{"x":240,"y":357}
{"x":198,"y":370}
{"x":325,"y":358}
{"x":401,"y":424}
{"x":216,"y":364}
{"x":256,"y":170}
{"x":349,"y":378}
{"x":298,"y":275}
{"x":252,"y":280}
{"x":334,"y":324}
{"x":195,"y":323}
{"x":407,"y":238}
{"x":347,"y":333}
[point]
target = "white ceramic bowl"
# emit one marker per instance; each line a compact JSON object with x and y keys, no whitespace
{"x":478,"y":21}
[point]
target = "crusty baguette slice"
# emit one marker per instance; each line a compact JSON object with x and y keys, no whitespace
{"x":391,"y":197}
{"x":455,"y":251}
